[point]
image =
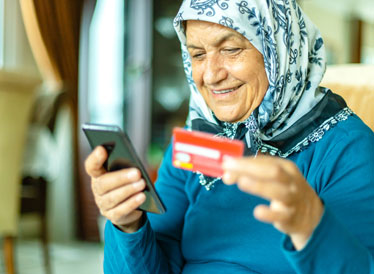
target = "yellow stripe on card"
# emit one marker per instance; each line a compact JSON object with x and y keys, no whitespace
{"x":183,"y":165}
{"x":186,"y":165}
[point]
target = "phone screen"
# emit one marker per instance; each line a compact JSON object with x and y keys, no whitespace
{"x":121,"y":154}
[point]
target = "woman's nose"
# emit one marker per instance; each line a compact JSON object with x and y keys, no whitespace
{"x":214,"y":70}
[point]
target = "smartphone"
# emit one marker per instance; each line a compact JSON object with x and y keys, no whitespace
{"x":121,"y":154}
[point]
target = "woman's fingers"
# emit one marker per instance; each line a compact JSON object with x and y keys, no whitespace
{"x":115,"y":197}
{"x":94,"y":162}
{"x":267,"y":189}
{"x":281,"y":218}
{"x":125,"y":210}
{"x":265,"y":176}
{"x":275,"y":213}
{"x":264,"y":167}
{"x":295,"y":208}
{"x":112,"y":180}
{"x":118,"y":194}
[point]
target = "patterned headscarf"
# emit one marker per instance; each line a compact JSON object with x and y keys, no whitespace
{"x":294,"y":58}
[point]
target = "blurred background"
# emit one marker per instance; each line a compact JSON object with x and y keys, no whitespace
{"x":64,"y":63}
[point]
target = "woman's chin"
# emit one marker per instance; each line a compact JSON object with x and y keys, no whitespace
{"x":230,"y":118}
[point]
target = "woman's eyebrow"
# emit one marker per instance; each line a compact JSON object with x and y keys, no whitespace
{"x":192,"y":46}
{"x":216,"y":43}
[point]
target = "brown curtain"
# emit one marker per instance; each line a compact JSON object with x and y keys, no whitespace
{"x":53,"y":29}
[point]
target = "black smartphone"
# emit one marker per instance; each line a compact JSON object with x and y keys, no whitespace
{"x":121,"y":154}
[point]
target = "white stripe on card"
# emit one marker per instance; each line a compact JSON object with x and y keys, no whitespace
{"x":197,"y":150}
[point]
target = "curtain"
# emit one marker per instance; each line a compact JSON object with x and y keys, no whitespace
{"x":52,"y":27}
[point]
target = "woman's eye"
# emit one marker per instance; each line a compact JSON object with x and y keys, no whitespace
{"x":197,"y":55}
{"x":231,"y":50}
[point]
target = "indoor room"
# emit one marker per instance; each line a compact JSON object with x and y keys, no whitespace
{"x":119,"y":63}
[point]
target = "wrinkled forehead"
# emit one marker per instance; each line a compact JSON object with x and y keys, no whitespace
{"x":234,"y":15}
{"x":216,"y":33}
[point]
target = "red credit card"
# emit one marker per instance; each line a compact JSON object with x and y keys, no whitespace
{"x":203,"y":152}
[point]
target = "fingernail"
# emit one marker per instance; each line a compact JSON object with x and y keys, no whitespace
{"x":132,"y":174}
{"x":139,"y":185}
{"x":227,"y":178}
{"x":228,"y":162}
{"x":140,"y":197}
{"x":98,"y":153}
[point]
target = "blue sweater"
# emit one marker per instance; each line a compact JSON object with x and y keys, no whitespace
{"x":215,"y":231}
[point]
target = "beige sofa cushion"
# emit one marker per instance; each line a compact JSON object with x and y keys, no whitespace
{"x":355,"y":83}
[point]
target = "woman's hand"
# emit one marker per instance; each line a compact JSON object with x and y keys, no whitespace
{"x":117,"y":194}
{"x":295,"y":208}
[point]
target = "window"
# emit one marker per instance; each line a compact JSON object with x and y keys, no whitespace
{"x":106,"y":63}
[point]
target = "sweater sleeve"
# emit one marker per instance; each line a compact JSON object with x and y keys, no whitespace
{"x":155,"y":248}
{"x":343,"y":242}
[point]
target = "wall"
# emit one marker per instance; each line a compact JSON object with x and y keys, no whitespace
{"x":334,"y":18}
{"x":16,"y":50}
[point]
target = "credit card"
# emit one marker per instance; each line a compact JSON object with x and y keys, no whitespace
{"x":203,"y":152}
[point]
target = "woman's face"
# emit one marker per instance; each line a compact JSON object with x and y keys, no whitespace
{"x":228,"y":71}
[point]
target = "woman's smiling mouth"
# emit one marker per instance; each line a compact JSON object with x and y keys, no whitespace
{"x":224,"y":91}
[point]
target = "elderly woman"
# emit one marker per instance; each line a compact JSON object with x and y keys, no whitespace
{"x":300,"y":200}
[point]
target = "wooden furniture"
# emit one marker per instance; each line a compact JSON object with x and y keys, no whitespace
{"x":355,"y":83}
{"x":16,"y":99}
{"x":34,"y":201}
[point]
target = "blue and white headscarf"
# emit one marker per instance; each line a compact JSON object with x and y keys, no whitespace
{"x":294,"y":58}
